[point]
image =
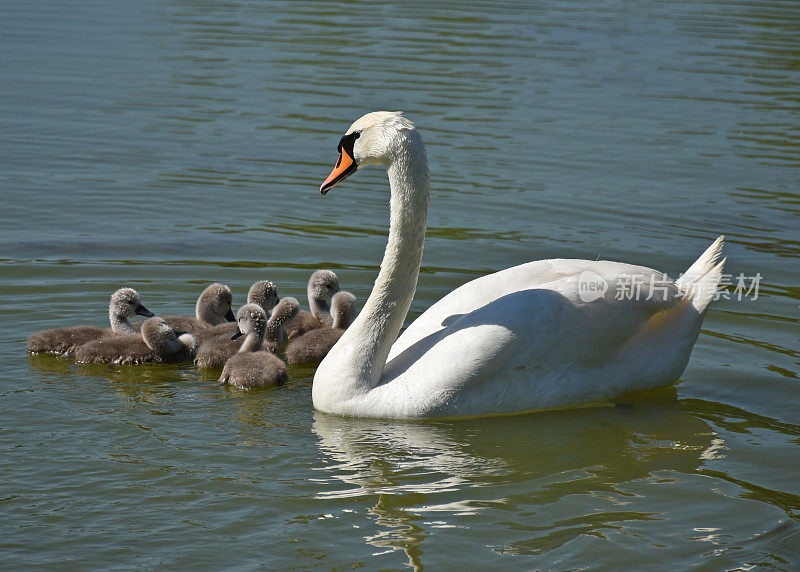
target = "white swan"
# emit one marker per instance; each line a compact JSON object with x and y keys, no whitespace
{"x":525,"y":338}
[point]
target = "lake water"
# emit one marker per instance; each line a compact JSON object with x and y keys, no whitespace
{"x":165,"y":145}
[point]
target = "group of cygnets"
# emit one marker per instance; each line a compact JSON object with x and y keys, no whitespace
{"x":245,"y":346}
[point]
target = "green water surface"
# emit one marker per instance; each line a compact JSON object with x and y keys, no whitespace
{"x":168,"y":144}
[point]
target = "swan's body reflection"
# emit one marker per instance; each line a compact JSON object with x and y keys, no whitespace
{"x":422,"y":473}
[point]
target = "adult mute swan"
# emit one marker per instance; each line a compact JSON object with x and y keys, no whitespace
{"x":526,"y":338}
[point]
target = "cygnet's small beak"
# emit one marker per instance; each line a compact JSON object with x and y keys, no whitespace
{"x":142,"y":311}
{"x":344,"y":167}
{"x":230,"y":317}
{"x":236,"y":334}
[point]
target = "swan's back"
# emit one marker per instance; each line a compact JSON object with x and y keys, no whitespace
{"x":213,"y":353}
{"x":305,"y":321}
{"x":567,"y":277}
{"x":204,"y":335}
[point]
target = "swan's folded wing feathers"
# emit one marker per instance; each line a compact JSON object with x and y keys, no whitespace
{"x":638,"y":285}
{"x":636,"y":292}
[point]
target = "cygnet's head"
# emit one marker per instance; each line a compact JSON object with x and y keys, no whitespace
{"x":376,"y":138}
{"x":264,"y":293}
{"x":322,"y":285}
{"x":162,"y":339}
{"x":125,"y":302}
{"x":286,"y":311}
{"x":214,"y":304}
{"x":343,"y":309}
{"x":250,"y":318}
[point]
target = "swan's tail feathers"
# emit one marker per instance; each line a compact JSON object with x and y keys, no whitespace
{"x":699,"y":283}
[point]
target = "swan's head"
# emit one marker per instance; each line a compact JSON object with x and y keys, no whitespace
{"x":214,"y":304}
{"x":374,"y":139}
{"x":250,"y":318}
{"x":322,"y":285}
{"x":125,"y":303}
{"x":264,"y":293}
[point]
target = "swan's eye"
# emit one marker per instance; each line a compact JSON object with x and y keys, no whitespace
{"x":347,"y":142}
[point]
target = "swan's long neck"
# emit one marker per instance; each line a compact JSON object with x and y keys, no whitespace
{"x":119,"y":322}
{"x":355,"y":364}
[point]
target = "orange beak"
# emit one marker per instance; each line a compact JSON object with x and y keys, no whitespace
{"x":344,"y":167}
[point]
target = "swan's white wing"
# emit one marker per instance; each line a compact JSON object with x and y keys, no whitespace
{"x":565,"y":276}
{"x":500,"y":339}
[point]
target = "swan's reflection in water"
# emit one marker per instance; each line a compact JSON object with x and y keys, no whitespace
{"x":424,"y":476}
